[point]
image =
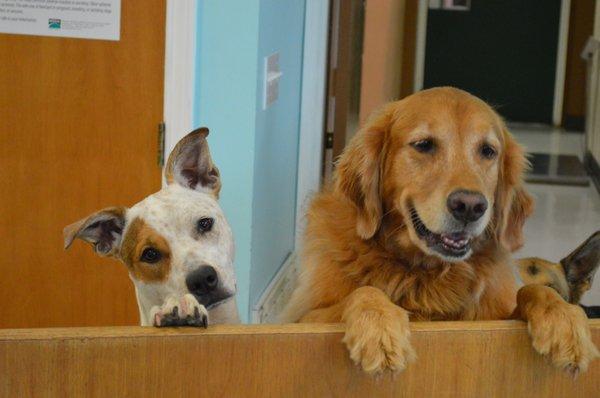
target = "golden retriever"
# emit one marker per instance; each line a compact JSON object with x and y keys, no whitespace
{"x":426,"y":205}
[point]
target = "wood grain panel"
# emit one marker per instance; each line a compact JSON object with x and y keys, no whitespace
{"x":79,"y":133}
{"x":469,"y":359}
{"x":382,"y":55}
{"x":409,"y":48}
{"x":581,"y":27}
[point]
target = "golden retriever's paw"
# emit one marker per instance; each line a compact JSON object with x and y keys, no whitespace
{"x":561,"y":332}
{"x":379,"y":340}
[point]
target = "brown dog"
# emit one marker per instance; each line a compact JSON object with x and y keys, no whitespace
{"x":426,"y":206}
{"x":571,"y":277}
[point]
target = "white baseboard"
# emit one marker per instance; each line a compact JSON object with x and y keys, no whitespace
{"x":278,"y":292}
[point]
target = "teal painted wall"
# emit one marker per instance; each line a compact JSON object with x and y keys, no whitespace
{"x":255,"y":149}
{"x":281,"y":29}
{"x":225,"y":95}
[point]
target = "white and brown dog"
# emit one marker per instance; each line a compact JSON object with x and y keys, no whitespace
{"x":176,"y":243}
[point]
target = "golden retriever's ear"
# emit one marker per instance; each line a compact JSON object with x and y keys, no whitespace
{"x":513,"y":203}
{"x":358,"y":169}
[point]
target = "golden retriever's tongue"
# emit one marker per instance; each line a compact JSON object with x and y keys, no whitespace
{"x":456,"y":240}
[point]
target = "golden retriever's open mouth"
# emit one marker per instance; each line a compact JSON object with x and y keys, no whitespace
{"x":454,"y":244}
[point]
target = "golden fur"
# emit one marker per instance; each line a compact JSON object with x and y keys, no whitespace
{"x":363,"y":262}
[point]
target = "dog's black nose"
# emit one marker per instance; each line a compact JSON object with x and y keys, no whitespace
{"x":202,"y":281}
{"x":467,"y":206}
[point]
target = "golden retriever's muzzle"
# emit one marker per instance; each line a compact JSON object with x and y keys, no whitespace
{"x":464,"y":221}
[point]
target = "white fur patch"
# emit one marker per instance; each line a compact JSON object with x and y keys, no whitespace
{"x":174,"y":212}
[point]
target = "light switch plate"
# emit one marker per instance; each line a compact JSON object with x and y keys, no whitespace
{"x":271,"y":80}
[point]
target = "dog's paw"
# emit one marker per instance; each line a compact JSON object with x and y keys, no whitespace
{"x":560,"y":331}
{"x":185,"y":311}
{"x":379,"y":340}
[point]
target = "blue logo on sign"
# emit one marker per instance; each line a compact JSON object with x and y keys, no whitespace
{"x":53,"y":23}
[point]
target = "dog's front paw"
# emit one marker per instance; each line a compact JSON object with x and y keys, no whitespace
{"x":561,"y":332}
{"x":379,"y":340}
{"x":185,"y":311}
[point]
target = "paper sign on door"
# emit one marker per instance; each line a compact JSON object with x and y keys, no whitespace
{"x":63,"y":18}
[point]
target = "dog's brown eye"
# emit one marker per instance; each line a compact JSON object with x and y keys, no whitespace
{"x":488,"y":151}
{"x":423,"y":146}
{"x":150,"y":255}
{"x":204,"y":224}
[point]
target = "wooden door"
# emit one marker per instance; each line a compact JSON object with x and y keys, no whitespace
{"x":581,"y":27}
{"x":79,"y":132}
{"x":344,"y":69}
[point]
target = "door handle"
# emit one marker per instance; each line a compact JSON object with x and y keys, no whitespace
{"x":590,"y":47}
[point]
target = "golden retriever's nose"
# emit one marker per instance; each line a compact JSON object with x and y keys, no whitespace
{"x":467,"y":206}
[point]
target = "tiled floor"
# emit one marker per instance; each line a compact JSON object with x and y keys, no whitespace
{"x":565,"y":215}
{"x":548,"y":140}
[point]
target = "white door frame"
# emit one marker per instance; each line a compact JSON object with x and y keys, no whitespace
{"x":561,"y":62}
{"x":561,"y":54}
{"x":421,"y":39}
{"x":312,"y":112}
{"x":180,"y":57}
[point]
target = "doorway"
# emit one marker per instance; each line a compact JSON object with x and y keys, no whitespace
{"x":513,"y":41}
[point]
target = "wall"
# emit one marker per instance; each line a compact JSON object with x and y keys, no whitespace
{"x":255,"y":149}
{"x":513,"y":42}
{"x":226,"y":70}
{"x":281,"y":29}
{"x":382,"y":54}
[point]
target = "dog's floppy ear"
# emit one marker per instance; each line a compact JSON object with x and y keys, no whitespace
{"x":190,"y":164}
{"x":358,"y":172}
{"x":103,"y":229}
{"x":581,"y":265}
{"x":513,"y":203}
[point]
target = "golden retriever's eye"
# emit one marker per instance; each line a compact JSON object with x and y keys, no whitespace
{"x":488,"y":151}
{"x":423,"y":146}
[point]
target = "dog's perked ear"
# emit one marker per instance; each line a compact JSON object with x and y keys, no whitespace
{"x":580,"y":267}
{"x":513,"y":204}
{"x":103,"y":229}
{"x":358,"y":172}
{"x":190,"y":164}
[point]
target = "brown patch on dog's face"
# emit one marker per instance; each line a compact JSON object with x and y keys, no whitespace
{"x":146,"y":253}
